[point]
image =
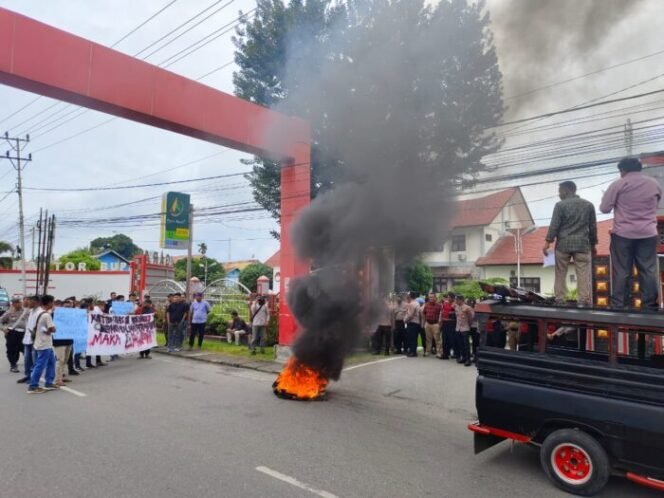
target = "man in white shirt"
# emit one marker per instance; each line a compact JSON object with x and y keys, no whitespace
{"x":43,"y":345}
{"x":260,"y":317}
{"x":32,"y":303}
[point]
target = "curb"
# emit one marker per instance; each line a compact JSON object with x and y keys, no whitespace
{"x":226,"y":360}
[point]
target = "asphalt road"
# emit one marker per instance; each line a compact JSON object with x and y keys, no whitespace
{"x":172,"y":427}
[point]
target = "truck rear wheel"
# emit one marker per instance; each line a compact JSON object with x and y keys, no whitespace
{"x":575,"y":462}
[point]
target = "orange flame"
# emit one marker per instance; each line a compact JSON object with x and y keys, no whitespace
{"x":298,"y":381}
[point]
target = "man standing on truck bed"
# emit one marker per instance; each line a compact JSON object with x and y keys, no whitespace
{"x":634,"y":199}
{"x":574,"y":229}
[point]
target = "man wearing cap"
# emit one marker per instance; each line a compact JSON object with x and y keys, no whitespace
{"x":13,"y":325}
{"x":198,"y":318}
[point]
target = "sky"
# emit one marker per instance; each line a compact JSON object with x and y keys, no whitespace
{"x":77,"y":148}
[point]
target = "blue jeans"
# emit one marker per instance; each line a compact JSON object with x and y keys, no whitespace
{"x":412,"y":331}
{"x":28,"y":359}
{"x":258,"y":332}
{"x":176,"y":335}
{"x":45,"y":360}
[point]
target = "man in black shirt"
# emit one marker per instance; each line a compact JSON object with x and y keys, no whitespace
{"x":177,"y":314}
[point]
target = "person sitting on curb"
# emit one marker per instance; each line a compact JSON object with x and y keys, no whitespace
{"x":237,"y":327}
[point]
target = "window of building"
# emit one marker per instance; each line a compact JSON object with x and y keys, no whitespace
{"x":527,"y":283}
{"x":572,"y":278}
{"x":458,"y":243}
{"x":439,"y":284}
{"x":488,"y":237}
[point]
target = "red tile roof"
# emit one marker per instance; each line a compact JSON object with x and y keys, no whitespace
{"x":481,"y":210}
{"x":503,"y":252}
{"x":273,"y":261}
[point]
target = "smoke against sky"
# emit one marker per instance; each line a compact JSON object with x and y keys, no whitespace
{"x":393,"y":106}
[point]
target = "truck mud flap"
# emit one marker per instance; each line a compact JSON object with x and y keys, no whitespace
{"x":487,"y":437}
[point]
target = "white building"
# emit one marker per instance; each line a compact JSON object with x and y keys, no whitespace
{"x":477,"y":225}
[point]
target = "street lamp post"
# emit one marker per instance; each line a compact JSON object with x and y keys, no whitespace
{"x":205,"y":270}
{"x":517,"y":248}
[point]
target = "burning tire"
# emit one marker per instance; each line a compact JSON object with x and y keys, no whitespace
{"x":575,"y":462}
{"x":301,"y":383}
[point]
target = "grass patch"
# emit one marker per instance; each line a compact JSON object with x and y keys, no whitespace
{"x":224,"y":348}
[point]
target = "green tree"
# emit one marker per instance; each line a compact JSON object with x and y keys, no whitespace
{"x":81,"y":256}
{"x":471,"y":289}
{"x":420,"y":278}
{"x":215,"y":269}
{"x":250,"y":274}
{"x":455,"y":33}
{"x":120,"y":243}
{"x":6,"y":261}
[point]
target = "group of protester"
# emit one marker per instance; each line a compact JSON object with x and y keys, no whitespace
{"x":446,"y":329}
{"x":179,"y":315}
{"x":28,"y":328}
{"x":634,"y":200}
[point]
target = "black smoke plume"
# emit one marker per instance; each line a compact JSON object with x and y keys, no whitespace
{"x":536,"y":38}
{"x":399,"y":97}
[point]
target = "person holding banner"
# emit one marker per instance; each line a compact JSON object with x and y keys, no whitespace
{"x":146,"y":309}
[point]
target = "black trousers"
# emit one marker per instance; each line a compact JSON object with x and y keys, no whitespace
{"x":449,"y":337}
{"x":382,"y":338}
{"x":412,"y":330}
{"x":197,"y":329}
{"x":399,"y":336}
{"x":463,"y":344}
{"x":625,"y":255}
{"x":475,"y":340}
{"x":88,"y":360}
{"x":14,"y":343}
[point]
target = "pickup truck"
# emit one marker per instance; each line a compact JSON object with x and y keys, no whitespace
{"x":592,"y":399}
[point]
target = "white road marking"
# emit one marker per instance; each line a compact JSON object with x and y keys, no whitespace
{"x":347,"y":369}
{"x":294,"y":482}
{"x":73,"y":391}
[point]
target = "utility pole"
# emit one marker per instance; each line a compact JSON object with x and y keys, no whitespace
{"x":189,"y":252}
{"x":629,"y":137}
{"x":18,"y":162}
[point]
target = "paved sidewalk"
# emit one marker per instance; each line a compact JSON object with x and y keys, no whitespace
{"x":225,"y":359}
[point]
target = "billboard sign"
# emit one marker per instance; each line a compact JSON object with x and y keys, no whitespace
{"x":175,"y":227}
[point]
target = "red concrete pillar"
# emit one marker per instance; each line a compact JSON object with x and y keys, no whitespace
{"x":295,"y":195}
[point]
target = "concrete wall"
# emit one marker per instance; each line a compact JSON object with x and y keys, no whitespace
{"x":63,"y":284}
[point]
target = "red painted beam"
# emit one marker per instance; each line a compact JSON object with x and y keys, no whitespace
{"x":48,"y":61}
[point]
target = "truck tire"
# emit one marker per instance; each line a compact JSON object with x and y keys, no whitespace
{"x":575,"y":462}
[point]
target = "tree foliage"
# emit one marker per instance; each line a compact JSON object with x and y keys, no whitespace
{"x":420,"y":278}
{"x":215,"y":269}
{"x":471,"y":289}
{"x":120,"y":243}
{"x":81,"y":256}
{"x":463,"y":60}
{"x":250,"y":274}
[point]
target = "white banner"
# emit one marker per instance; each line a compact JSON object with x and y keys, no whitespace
{"x":120,"y":334}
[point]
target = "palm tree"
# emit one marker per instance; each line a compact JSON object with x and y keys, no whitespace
{"x":6,"y":247}
{"x":202,"y":248}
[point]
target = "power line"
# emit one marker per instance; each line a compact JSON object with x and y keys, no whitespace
{"x":143,"y":23}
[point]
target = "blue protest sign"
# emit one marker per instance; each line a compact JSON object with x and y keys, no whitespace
{"x":72,"y":323}
{"x":122,"y":307}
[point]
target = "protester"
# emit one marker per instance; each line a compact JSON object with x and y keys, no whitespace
{"x":176,"y":319}
{"x":412,"y":321}
{"x":198,"y":319}
{"x":109,"y":302}
{"x":513,"y":335}
{"x":634,"y":199}
{"x":97,"y":310}
{"x":32,"y":303}
{"x":260,"y":318}
{"x":574,"y":229}
{"x":382,"y":337}
{"x":474,"y":332}
{"x":147,"y":308}
{"x":464,"y":318}
{"x":12,"y":323}
{"x":448,"y":326}
{"x":43,"y":345}
{"x":399,"y":333}
{"x":236,"y":328}
{"x":431,"y":311}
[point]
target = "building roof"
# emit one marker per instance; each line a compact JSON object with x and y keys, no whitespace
{"x":239,"y":265}
{"x":274,"y":260}
{"x":481,"y":210}
{"x":503,"y":252}
{"x":113,"y":253}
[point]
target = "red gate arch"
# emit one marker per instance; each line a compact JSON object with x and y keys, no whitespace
{"x":48,"y":61}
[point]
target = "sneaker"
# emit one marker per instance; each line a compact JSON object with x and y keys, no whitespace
{"x":177,"y":350}
{"x":23,"y":380}
{"x":73,"y":372}
{"x":66,"y":380}
{"x":35,"y":390}
{"x":90,"y":366}
{"x":14,"y":369}
{"x":51,"y":387}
